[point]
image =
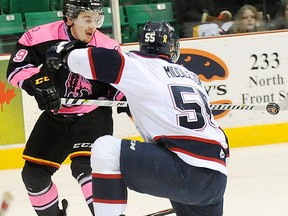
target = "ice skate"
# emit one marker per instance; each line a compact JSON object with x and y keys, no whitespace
{"x":64,"y":208}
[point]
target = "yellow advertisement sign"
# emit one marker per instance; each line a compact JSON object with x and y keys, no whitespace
{"x":12,"y":129}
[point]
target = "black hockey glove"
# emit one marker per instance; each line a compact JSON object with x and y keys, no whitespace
{"x":40,"y":86}
{"x":124,"y":109}
{"x":56,"y":55}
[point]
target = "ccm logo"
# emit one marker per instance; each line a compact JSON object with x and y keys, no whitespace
{"x":41,"y":80}
{"x":82,"y":145}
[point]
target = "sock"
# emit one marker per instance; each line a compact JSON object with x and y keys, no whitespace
{"x":45,"y":202}
{"x":109,"y":194}
{"x":86,"y":187}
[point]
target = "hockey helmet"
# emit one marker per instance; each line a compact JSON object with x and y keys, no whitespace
{"x":72,"y":8}
{"x":160,"y":38}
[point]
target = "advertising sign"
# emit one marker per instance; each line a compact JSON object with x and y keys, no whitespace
{"x":11,"y":111}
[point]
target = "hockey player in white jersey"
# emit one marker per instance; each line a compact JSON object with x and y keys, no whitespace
{"x":183,"y":156}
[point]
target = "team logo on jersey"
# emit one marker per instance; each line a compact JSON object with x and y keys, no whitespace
{"x":133,"y":145}
{"x":222,"y":154}
{"x":77,"y":86}
{"x":209,"y":68}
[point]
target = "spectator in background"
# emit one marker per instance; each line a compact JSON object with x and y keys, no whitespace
{"x":281,"y":19}
{"x":269,"y":8}
{"x":228,"y":5}
{"x":190,"y":13}
{"x":215,"y":25}
{"x":247,"y":20}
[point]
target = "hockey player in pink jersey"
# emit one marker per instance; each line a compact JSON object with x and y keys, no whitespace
{"x":183,"y":156}
{"x":74,"y":128}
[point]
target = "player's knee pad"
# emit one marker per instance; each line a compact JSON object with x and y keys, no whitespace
{"x":80,"y":167}
{"x":36,"y":177}
{"x":106,"y":154}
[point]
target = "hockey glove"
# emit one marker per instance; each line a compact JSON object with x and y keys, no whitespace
{"x":40,"y":86}
{"x":124,"y":109}
{"x":56,"y":56}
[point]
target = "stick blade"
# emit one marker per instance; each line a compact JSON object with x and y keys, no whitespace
{"x":162,"y":213}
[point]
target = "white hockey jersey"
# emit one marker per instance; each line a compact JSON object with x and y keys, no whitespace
{"x":168,"y":103}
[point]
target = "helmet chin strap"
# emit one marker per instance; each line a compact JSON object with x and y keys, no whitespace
{"x":69,"y":26}
{"x":69,"y":23}
{"x":69,"y":32}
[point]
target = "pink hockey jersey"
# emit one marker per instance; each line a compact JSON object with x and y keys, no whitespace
{"x":29,"y":56}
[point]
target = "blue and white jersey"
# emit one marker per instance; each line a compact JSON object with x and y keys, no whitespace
{"x":168,"y":102}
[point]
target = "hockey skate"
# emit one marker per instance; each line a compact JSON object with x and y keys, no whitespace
{"x":64,"y":208}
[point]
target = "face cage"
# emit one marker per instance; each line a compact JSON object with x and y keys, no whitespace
{"x":175,"y":54}
{"x":74,"y":11}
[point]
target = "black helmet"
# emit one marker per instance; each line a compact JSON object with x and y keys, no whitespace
{"x":72,"y":8}
{"x":160,"y":38}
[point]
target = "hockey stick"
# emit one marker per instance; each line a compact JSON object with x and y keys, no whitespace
{"x":89,"y":102}
{"x":6,"y":201}
{"x":162,"y":213}
{"x":272,"y":108}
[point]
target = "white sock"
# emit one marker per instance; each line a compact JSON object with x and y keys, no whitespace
{"x":104,"y":209}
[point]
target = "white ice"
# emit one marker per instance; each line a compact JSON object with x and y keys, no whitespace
{"x":257,"y":186}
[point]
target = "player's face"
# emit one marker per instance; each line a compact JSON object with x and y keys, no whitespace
{"x":249,"y":20}
{"x":85,"y":26}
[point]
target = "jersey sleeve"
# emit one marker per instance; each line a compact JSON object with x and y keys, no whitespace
{"x":21,"y":65}
{"x":101,"y":64}
{"x":29,"y":52}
